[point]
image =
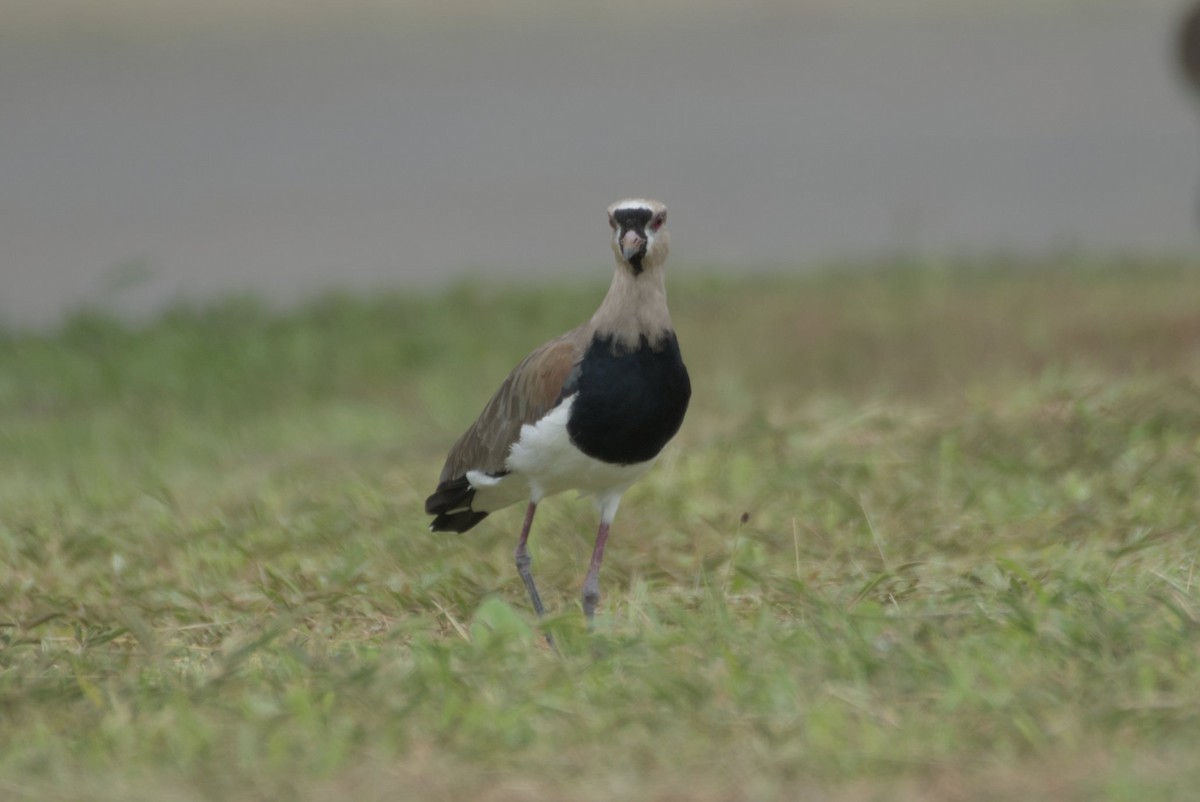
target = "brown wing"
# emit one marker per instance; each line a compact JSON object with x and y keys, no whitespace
{"x":533,"y":388}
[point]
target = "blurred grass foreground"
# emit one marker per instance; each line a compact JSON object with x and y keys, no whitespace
{"x":927,"y":533}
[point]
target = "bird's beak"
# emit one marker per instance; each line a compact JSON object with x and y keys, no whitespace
{"x":632,"y":243}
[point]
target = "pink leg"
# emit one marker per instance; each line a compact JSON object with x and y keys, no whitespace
{"x":591,"y":584}
{"x":524,"y":561}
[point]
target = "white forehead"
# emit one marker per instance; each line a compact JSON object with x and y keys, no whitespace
{"x":652,"y":206}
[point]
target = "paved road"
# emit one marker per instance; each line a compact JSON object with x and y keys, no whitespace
{"x":136,"y":169}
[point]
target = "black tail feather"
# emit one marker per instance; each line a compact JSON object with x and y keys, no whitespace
{"x":451,"y":506}
{"x":458,"y":522}
{"x":452,"y":494}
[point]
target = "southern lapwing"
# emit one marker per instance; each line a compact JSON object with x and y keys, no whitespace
{"x":587,"y":411}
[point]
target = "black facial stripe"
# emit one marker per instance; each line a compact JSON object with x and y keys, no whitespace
{"x":636,"y":218}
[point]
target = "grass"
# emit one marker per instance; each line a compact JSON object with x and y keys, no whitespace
{"x":929,"y":532}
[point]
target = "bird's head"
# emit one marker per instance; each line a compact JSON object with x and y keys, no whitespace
{"x":639,"y":238}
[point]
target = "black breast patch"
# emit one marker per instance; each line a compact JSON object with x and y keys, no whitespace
{"x":629,"y":403}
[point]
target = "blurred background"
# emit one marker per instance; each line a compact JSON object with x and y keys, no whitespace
{"x":151,"y":151}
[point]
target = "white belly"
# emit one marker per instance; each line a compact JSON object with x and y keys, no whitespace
{"x":543,"y":462}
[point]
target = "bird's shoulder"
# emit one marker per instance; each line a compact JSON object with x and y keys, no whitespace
{"x":535,"y":386}
{"x":541,"y":380}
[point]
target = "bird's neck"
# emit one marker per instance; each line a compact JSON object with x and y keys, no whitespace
{"x":635,"y":307}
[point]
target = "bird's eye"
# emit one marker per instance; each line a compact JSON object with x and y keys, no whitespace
{"x":658,"y":221}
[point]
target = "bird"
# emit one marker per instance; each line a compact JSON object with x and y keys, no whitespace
{"x":590,"y":410}
{"x":1187,"y":46}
